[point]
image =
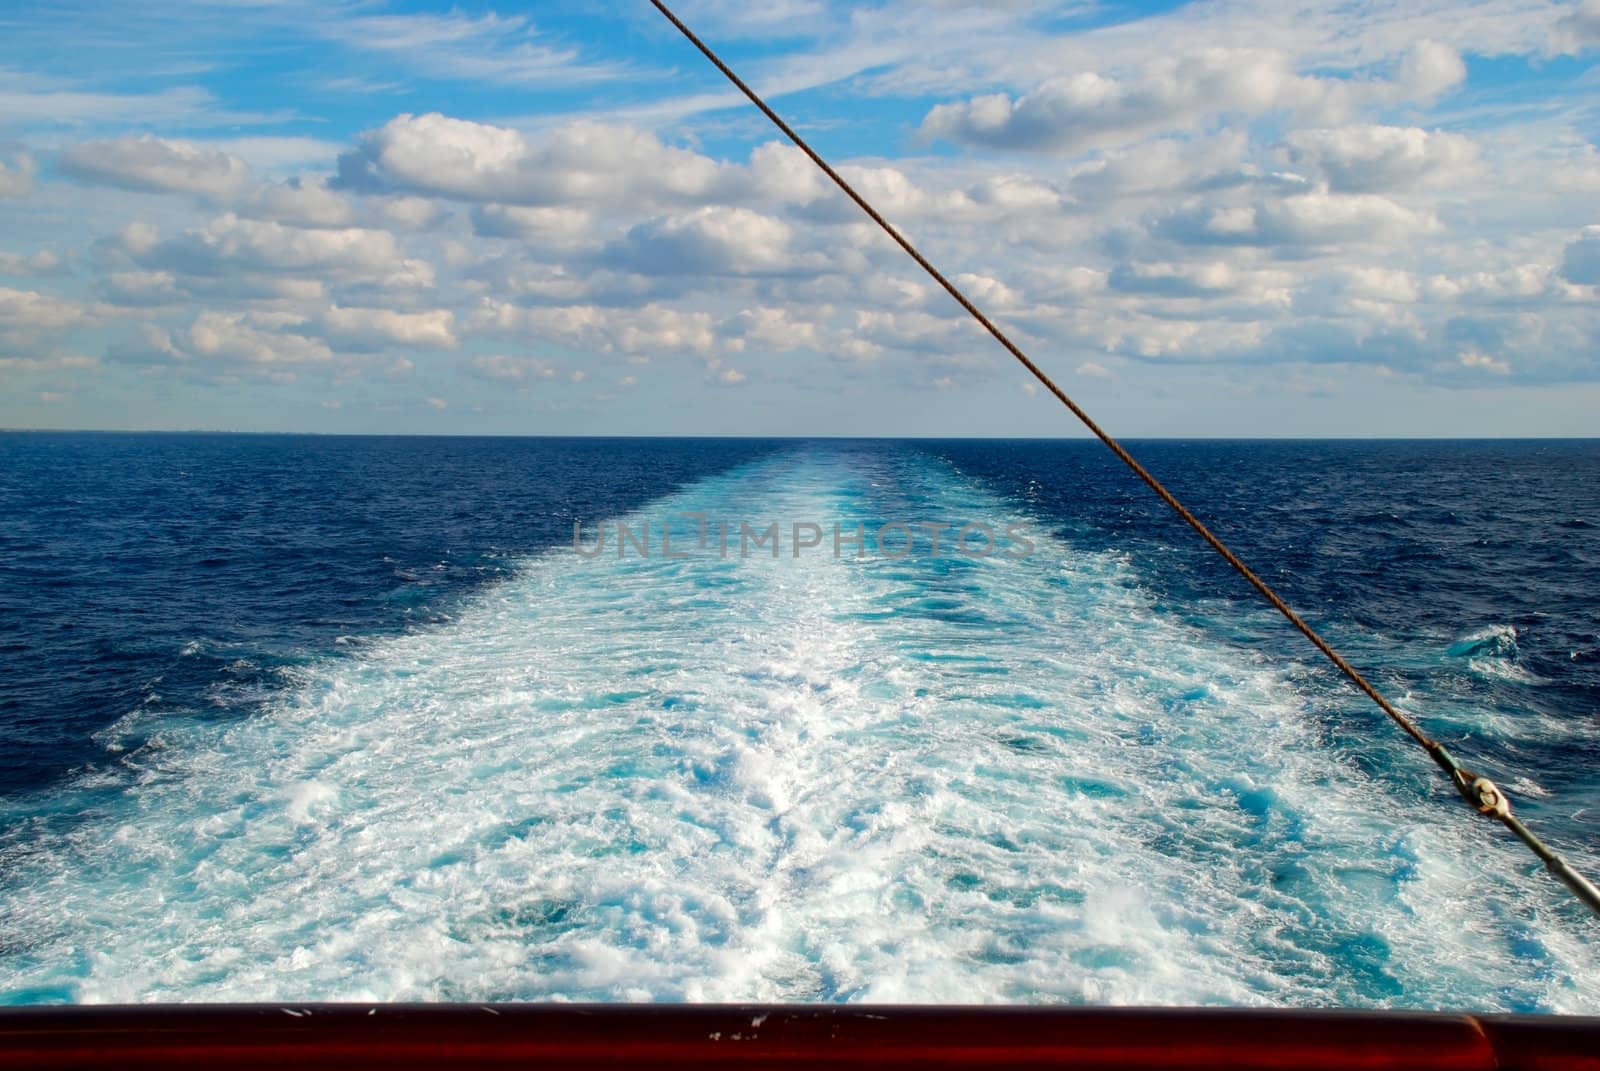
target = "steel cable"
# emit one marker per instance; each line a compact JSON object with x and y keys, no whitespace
{"x":1479,"y":792}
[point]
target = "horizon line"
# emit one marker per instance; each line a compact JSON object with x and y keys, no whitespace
{"x":1084,"y":437}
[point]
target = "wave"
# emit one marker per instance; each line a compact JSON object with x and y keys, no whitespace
{"x":1002,"y":779}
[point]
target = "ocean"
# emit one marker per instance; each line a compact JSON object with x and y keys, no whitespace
{"x":329,"y":718}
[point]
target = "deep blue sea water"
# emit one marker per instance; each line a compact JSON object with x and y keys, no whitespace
{"x":350,"y":718}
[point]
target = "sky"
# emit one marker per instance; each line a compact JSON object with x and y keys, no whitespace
{"x":1226,"y":218}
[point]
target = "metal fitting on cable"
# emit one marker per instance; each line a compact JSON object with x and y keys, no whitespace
{"x":1481,"y":793}
{"x":1489,"y":799}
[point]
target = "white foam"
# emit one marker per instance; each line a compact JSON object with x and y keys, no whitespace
{"x":790,"y":780}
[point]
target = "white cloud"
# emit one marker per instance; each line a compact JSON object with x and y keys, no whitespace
{"x":557,"y":227}
{"x":911,"y":331}
{"x":253,"y":339}
{"x":30,"y":310}
{"x":1367,"y":158}
{"x":857,"y":349}
{"x":141,"y":287}
{"x":1311,"y":219}
{"x":1177,"y":280}
{"x":770,"y":330}
{"x":138,"y":237}
{"x":1088,"y":110}
{"x":407,"y":213}
{"x":1519,"y":285}
{"x":780,"y":172}
{"x":159,"y":165}
{"x":1581,"y":26}
{"x":579,"y":163}
{"x":229,"y":245}
{"x":40,"y":263}
{"x":502,"y":368}
{"x":1427,"y":70}
{"x":987,"y":291}
{"x":1482,"y":361}
{"x":156,"y":164}
{"x":1162,"y":166}
{"x":1301,"y":200}
{"x":646,"y":330}
{"x":1372,"y":283}
{"x":301,"y":200}
{"x":713,"y":240}
{"x":432,"y":329}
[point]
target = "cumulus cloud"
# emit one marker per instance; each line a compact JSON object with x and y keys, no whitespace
{"x":1428,"y":70}
{"x":31,"y":310}
{"x":303,"y":201}
{"x":254,"y":339}
{"x":712,"y":240}
{"x":987,"y":291}
{"x":158,"y":165}
{"x":770,"y":330}
{"x":405,"y":212}
{"x":138,"y":238}
{"x":556,"y":227}
{"x":1368,"y":158}
{"x":221,"y":178}
{"x":1471,"y":358}
{"x":230,"y":245}
{"x":650,"y":329}
{"x":375,"y":328}
{"x":1089,"y":110}
{"x":1162,"y":166}
{"x":1176,"y":280}
{"x":1522,"y":284}
{"x":912,"y":331}
{"x":1581,"y":27}
{"x":141,"y":287}
{"x":1312,"y":219}
{"x":502,"y":368}
{"x":1223,"y":204}
{"x":40,"y":263}
{"x":581,"y":162}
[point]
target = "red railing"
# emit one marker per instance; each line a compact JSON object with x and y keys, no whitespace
{"x":344,"y":1036}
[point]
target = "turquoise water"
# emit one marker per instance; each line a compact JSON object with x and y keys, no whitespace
{"x":1016,"y":778}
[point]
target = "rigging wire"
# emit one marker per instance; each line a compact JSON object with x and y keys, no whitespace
{"x":1479,"y":792}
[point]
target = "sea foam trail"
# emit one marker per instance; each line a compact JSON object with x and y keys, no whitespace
{"x":785,"y":780}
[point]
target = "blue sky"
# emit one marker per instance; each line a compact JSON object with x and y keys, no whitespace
{"x":1238,"y":218}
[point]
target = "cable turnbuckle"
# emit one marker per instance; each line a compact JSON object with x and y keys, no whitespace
{"x":1482,"y":794}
